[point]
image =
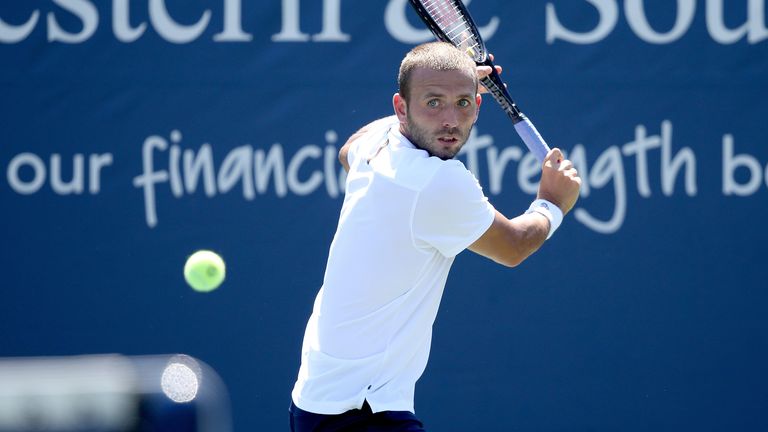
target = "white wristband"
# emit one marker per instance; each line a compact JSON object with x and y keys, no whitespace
{"x":551,"y":211}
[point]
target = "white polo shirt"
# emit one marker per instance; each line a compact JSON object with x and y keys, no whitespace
{"x":405,"y":217}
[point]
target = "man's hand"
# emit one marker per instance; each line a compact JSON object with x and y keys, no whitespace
{"x":484,"y":71}
{"x":560,"y":182}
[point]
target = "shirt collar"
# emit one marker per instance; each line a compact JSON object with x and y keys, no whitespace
{"x":396,"y":138}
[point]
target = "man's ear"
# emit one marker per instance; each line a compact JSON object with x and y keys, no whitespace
{"x":479,"y":101}
{"x":401,"y":107}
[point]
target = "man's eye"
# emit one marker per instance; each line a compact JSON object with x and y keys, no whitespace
{"x":464,"y":103}
{"x":433,"y":103}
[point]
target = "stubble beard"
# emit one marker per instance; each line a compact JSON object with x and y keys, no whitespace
{"x":424,"y":140}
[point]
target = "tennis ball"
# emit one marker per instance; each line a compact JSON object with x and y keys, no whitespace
{"x":204,"y":271}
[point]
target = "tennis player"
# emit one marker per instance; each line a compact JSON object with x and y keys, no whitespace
{"x":409,"y":209}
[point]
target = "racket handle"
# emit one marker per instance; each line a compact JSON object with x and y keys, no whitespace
{"x":532,"y":139}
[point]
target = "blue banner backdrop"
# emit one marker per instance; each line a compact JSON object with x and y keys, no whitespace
{"x":135,"y":132}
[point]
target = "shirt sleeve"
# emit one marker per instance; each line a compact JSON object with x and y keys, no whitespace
{"x":451,"y":212}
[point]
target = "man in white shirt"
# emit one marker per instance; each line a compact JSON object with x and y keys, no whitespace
{"x":409,"y":209}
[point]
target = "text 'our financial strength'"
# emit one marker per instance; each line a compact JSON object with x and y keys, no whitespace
{"x":170,"y":165}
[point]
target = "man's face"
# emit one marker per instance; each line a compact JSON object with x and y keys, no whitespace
{"x":441,"y":109}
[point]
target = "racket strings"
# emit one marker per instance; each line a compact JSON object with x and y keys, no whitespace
{"x":455,"y":26}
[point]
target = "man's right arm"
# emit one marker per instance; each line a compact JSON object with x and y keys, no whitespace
{"x":344,"y":150}
{"x":511,"y":241}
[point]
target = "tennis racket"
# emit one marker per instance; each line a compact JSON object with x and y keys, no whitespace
{"x":450,"y":22}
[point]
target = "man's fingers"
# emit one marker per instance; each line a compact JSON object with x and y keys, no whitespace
{"x":565,"y":165}
{"x":498,"y":68}
{"x":483,"y":71}
{"x":555,"y":156}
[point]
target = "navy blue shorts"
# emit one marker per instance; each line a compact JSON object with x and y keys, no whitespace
{"x":357,"y":420}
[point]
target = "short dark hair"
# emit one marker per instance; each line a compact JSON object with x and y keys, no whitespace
{"x":440,"y":56}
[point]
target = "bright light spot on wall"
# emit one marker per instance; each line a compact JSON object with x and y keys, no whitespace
{"x":180,"y":380}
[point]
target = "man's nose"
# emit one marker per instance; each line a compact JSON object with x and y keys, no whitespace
{"x":450,"y":118}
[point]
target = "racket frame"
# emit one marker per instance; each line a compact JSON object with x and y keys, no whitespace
{"x":493,"y":82}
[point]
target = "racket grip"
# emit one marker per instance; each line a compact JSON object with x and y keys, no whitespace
{"x":532,"y":139}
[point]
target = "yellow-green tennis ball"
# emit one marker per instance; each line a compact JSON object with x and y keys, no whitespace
{"x":204,"y":271}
